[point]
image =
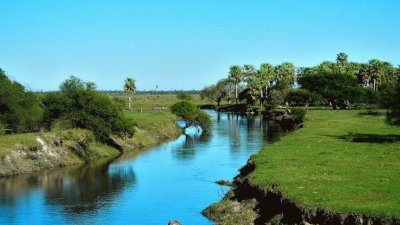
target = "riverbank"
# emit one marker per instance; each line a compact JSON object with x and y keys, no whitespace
{"x":341,"y":168}
{"x":32,"y":152}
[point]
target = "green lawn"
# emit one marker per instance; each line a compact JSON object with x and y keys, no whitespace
{"x":321,"y":165}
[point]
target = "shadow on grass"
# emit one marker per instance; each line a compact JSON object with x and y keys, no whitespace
{"x":372,"y":113}
{"x":370,"y":138}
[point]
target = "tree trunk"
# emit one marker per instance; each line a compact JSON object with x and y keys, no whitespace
{"x":129,"y":105}
{"x":334,"y":105}
{"x":236,"y":93}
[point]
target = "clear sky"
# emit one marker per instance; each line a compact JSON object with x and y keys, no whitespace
{"x":182,"y":44}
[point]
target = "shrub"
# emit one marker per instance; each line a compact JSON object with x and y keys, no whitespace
{"x":184,"y":96}
{"x":79,"y":106}
{"x":276,"y":98}
{"x":297,"y":115}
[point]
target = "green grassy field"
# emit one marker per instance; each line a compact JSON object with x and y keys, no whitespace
{"x":155,"y":102}
{"x":342,"y":161}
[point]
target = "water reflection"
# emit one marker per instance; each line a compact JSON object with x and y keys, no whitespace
{"x":187,"y":150}
{"x":171,"y":181}
{"x":77,"y":190}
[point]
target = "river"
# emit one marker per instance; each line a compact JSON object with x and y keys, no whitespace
{"x":174,"y":180}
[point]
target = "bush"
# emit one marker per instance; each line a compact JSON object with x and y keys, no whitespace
{"x":79,"y":106}
{"x":276,"y":98}
{"x":184,"y":96}
{"x":297,"y":115}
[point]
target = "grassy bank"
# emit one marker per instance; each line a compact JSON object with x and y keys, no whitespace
{"x":31,"y":152}
{"x":152,"y":128}
{"x":341,"y":161}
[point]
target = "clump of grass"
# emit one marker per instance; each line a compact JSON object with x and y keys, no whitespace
{"x":228,"y":212}
{"x":8,"y":142}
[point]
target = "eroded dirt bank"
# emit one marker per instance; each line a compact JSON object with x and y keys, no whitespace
{"x":248,"y":204}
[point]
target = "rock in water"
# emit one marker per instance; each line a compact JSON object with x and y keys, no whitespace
{"x":173,"y":222}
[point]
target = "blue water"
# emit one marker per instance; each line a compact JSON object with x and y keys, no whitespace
{"x":172,"y":181}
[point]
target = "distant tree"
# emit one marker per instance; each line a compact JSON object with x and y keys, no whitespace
{"x":303,"y":97}
{"x":337,"y":88}
{"x":216,"y":92}
{"x":386,"y":93}
{"x":393,"y":116}
{"x":254,"y":83}
{"x":236,"y":77}
{"x":191,"y":115}
{"x":285,"y":74}
{"x":266,"y":73}
{"x":130,"y":88}
{"x":379,"y":72}
{"x":341,"y":59}
{"x":327,"y":67}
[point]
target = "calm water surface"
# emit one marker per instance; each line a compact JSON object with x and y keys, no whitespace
{"x":171,"y":181}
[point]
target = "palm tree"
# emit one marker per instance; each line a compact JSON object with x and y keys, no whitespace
{"x":236,"y":77}
{"x":285,"y":74}
{"x":341,"y":58}
{"x":266,"y":73}
{"x":130,"y":88}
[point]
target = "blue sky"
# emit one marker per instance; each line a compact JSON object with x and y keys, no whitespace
{"x":182,"y":44}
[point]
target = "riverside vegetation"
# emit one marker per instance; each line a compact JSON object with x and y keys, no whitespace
{"x":76,"y":125}
{"x":340,"y":168}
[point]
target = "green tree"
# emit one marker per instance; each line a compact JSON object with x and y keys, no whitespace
{"x":341,"y":59}
{"x":285,"y":74}
{"x":302,"y":97}
{"x":236,"y":77}
{"x":337,"y":88}
{"x":394,"y":116}
{"x":19,"y":109}
{"x":81,"y":106}
{"x":191,"y":115}
{"x":254,"y":83}
{"x":266,"y":73}
{"x":378,"y":72}
{"x":130,"y":88}
{"x":216,"y":92}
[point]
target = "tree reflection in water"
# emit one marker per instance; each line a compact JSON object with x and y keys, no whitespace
{"x":77,"y":190}
{"x":187,"y":150}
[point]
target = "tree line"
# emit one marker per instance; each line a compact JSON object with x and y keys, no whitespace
{"x":339,"y":84}
{"x":77,"y":104}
